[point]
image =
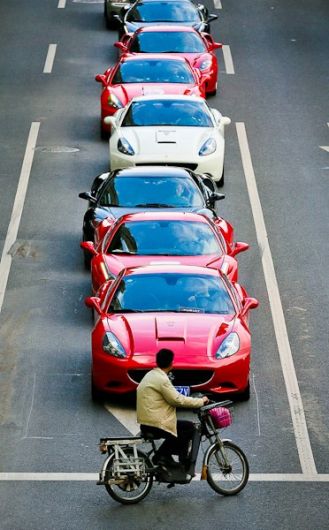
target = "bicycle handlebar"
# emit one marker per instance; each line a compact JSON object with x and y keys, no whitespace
{"x":226,"y":403}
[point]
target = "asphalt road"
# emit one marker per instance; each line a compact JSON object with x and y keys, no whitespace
{"x":48,"y":424}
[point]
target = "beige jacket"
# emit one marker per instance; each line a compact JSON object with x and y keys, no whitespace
{"x":157,"y":400}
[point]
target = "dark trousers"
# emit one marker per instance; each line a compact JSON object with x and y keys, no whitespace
{"x":172,"y":445}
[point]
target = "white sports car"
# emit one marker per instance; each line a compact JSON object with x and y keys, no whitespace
{"x":169,"y":130}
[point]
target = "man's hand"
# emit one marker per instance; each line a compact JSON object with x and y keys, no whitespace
{"x":205,"y":400}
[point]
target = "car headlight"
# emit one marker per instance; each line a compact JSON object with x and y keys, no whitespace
{"x":114,"y":102}
{"x":208,"y":147}
{"x":206,"y":63}
{"x":229,"y":346}
{"x":113,"y":346}
{"x":125,"y":147}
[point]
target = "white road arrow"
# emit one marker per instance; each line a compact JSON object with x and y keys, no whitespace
{"x":324,"y":147}
{"x":125,"y":415}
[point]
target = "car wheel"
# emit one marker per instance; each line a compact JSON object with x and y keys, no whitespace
{"x":96,"y":395}
{"x":245,"y":395}
{"x":104,"y":134}
{"x":220,"y":183}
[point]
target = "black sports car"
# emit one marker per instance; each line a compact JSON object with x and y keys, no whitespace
{"x":144,"y":188}
{"x":151,"y":12}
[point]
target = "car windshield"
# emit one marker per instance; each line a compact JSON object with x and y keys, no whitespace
{"x":165,"y":292}
{"x":181,"y":113}
{"x":153,"y":71}
{"x":151,"y":191}
{"x":179,"y":12}
{"x":165,"y":238}
{"x":167,"y":42}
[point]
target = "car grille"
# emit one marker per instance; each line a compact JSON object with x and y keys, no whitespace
{"x":171,"y":164}
{"x":181,"y":377}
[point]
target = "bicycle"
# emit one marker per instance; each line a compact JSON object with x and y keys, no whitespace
{"x":128,"y":473}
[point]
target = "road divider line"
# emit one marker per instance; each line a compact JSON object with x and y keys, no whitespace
{"x":84,"y":477}
{"x":50,"y":59}
{"x":294,"y":397}
{"x":218,"y":4}
{"x":17,"y":210}
{"x":229,"y":67}
{"x":61,"y":4}
{"x":125,"y":416}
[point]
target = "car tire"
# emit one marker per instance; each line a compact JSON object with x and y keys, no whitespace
{"x":97,"y":395}
{"x":220,"y":183}
{"x":109,"y":21}
{"x":104,"y":134}
{"x":245,"y":395}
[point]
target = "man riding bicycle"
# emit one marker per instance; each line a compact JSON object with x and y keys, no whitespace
{"x":157,"y":400}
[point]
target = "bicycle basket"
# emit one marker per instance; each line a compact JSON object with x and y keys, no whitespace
{"x":221,"y":417}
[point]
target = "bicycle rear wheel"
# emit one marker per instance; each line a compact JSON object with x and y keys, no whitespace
{"x":228,"y":469}
{"x":133,"y":489}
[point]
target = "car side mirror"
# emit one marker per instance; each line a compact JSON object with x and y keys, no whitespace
{"x":89,"y":246}
{"x":217,"y":45}
{"x":100,"y":78}
{"x":225,"y":120}
{"x":238,"y":248}
{"x":87,"y":196}
{"x":118,"y":17}
{"x":120,"y":45}
{"x":110,"y":120}
{"x":93,"y":302}
{"x":212,"y":17}
{"x":249,"y":303}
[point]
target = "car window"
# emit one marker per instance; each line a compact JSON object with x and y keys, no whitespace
{"x":148,"y":191}
{"x":167,"y":42}
{"x":165,"y":238}
{"x":179,"y":12}
{"x":192,"y":293}
{"x":153,"y":71}
{"x":167,"y":112}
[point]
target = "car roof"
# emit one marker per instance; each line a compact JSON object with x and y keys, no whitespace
{"x":172,"y":268}
{"x":164,"y":1}
{"x":153,"y":171}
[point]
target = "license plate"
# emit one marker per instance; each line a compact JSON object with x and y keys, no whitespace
{"x":185,"y":390}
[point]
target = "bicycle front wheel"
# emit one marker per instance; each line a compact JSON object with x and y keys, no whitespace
{"x":228,"y":469}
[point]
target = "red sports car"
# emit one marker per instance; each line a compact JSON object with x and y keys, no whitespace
{"x":197,"y":48}
{"x":139,"y":76}
{"x":152,"y":238}
{"x":195,"y":311}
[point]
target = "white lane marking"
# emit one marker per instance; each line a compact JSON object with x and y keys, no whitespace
{"x":324,"y":147}
{"x":17,"y":210}
{"x":228,"y":59}
{"x":47,"y":69}
{"x":83,"y":477}
{"x":31,"y":407}
{"x":125,"y":416}
{"x":218,"y":4}
{"x":61,"y":4}
{"x":257,"y":404}
{"x":287,"y":363}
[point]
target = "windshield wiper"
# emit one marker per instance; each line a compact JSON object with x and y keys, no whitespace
{"x":126,"y":311}
{"x":118,"y":251}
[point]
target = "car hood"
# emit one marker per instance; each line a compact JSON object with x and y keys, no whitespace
{"x":165,"y":141}
{"x":193,"y":336}
{"x":117,"y":262}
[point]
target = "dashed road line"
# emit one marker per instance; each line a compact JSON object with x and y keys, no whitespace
{"x":17,"y":210}
{"x":84,"y":477}
{"x":294,"y":397}
{"x":229,"y":67}
{"x":218,"y":4}
{"x":61,"y":4}
{"x":50,"y":59}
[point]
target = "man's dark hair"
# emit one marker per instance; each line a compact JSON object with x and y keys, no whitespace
{"x":164,"y":358}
